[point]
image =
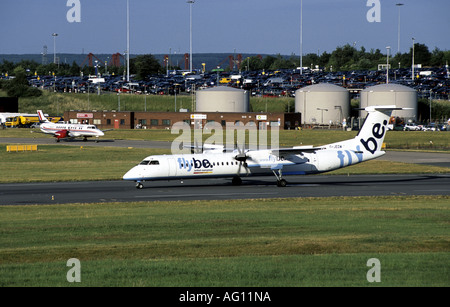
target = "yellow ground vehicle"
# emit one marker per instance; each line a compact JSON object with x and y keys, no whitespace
{"x":27,"y":121}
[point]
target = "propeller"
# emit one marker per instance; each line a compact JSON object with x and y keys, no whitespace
{"x":242,"y":158}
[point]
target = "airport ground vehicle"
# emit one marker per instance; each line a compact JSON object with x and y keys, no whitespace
{"x":26,"y":121}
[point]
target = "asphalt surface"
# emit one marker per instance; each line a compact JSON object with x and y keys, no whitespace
{"x":217,"y":189}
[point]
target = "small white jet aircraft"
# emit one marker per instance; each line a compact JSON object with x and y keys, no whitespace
{"x":301,"y":160}
{"x":68,"y":131}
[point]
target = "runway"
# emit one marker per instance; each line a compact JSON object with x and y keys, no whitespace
{"x":219,"y":189}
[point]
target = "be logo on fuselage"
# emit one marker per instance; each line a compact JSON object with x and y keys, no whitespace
{"x":371,"y":143}
{"x":193,"y":163}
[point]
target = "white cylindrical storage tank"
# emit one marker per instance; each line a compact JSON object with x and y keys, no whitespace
{"x":391,"y":94}
{"x":222,"y":99}
{"x":322,"y":103}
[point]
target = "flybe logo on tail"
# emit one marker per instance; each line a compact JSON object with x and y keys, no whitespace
{"x":193,"y":164}
{"x":371,"y":143}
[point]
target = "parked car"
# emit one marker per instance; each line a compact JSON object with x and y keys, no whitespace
{"x":431,"y":127}
{"x":412,"y":127}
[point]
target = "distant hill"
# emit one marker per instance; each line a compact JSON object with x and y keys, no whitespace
{"x":211,"y":60}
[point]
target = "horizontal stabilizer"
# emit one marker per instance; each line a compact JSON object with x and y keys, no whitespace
{"x":382,"y":108}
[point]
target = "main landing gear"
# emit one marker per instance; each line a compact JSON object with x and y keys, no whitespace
{"x":280,"y":181}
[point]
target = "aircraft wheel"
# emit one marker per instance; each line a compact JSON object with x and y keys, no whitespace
{"x":139,"y":185}
{"x":281,"y":183}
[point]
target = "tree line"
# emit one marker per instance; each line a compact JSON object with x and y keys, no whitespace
{"x":343,"y":58}
{"x":348,"y":58}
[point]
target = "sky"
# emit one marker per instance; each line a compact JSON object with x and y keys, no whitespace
{"x":220,"y":26}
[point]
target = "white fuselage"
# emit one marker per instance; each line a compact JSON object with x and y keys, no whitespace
{"x":73,"y":130}
{"x":260,"y":163}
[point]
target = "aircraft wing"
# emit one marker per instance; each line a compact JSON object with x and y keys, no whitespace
{"x":205,"y":148}
{"x":295,"y":150}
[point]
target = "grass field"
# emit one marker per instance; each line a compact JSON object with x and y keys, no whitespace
{"x":56,"y":103}
{"x":284,"y":242}
{"x":277,"y":242}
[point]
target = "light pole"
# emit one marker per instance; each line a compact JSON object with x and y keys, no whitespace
{"x":54,"y":47}
{"x":301,"y":37}
{"x":190,"y":33}
{"x":398,"y":47}
{"x":128,"y":41}
{"x":412,"y":66}
{"x":387,"y":64}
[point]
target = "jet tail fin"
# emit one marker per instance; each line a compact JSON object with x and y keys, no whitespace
{"x":42,"y":118}
{"x":373,"y":131}
{"x":370,"y":138}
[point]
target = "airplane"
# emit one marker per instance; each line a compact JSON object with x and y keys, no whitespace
{"x":62,"y":130}
{"x":215,"y":162}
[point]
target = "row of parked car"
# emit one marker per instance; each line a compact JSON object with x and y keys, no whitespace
{"x":430,"y":127}
{"x":434,"y":82}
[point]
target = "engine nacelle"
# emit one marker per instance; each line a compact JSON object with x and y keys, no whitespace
{"x":61,"y":134}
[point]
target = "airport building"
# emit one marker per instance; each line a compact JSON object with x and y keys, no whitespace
{"x":165,"y":120}
{"x":221,"y":104}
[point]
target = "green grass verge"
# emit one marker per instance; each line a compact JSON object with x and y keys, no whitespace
{"x":70,"y":163}
{"x":281,"y":242}
{"x":422,"y":140}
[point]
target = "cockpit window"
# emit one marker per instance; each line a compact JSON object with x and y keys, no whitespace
{"x":147,"y":162}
